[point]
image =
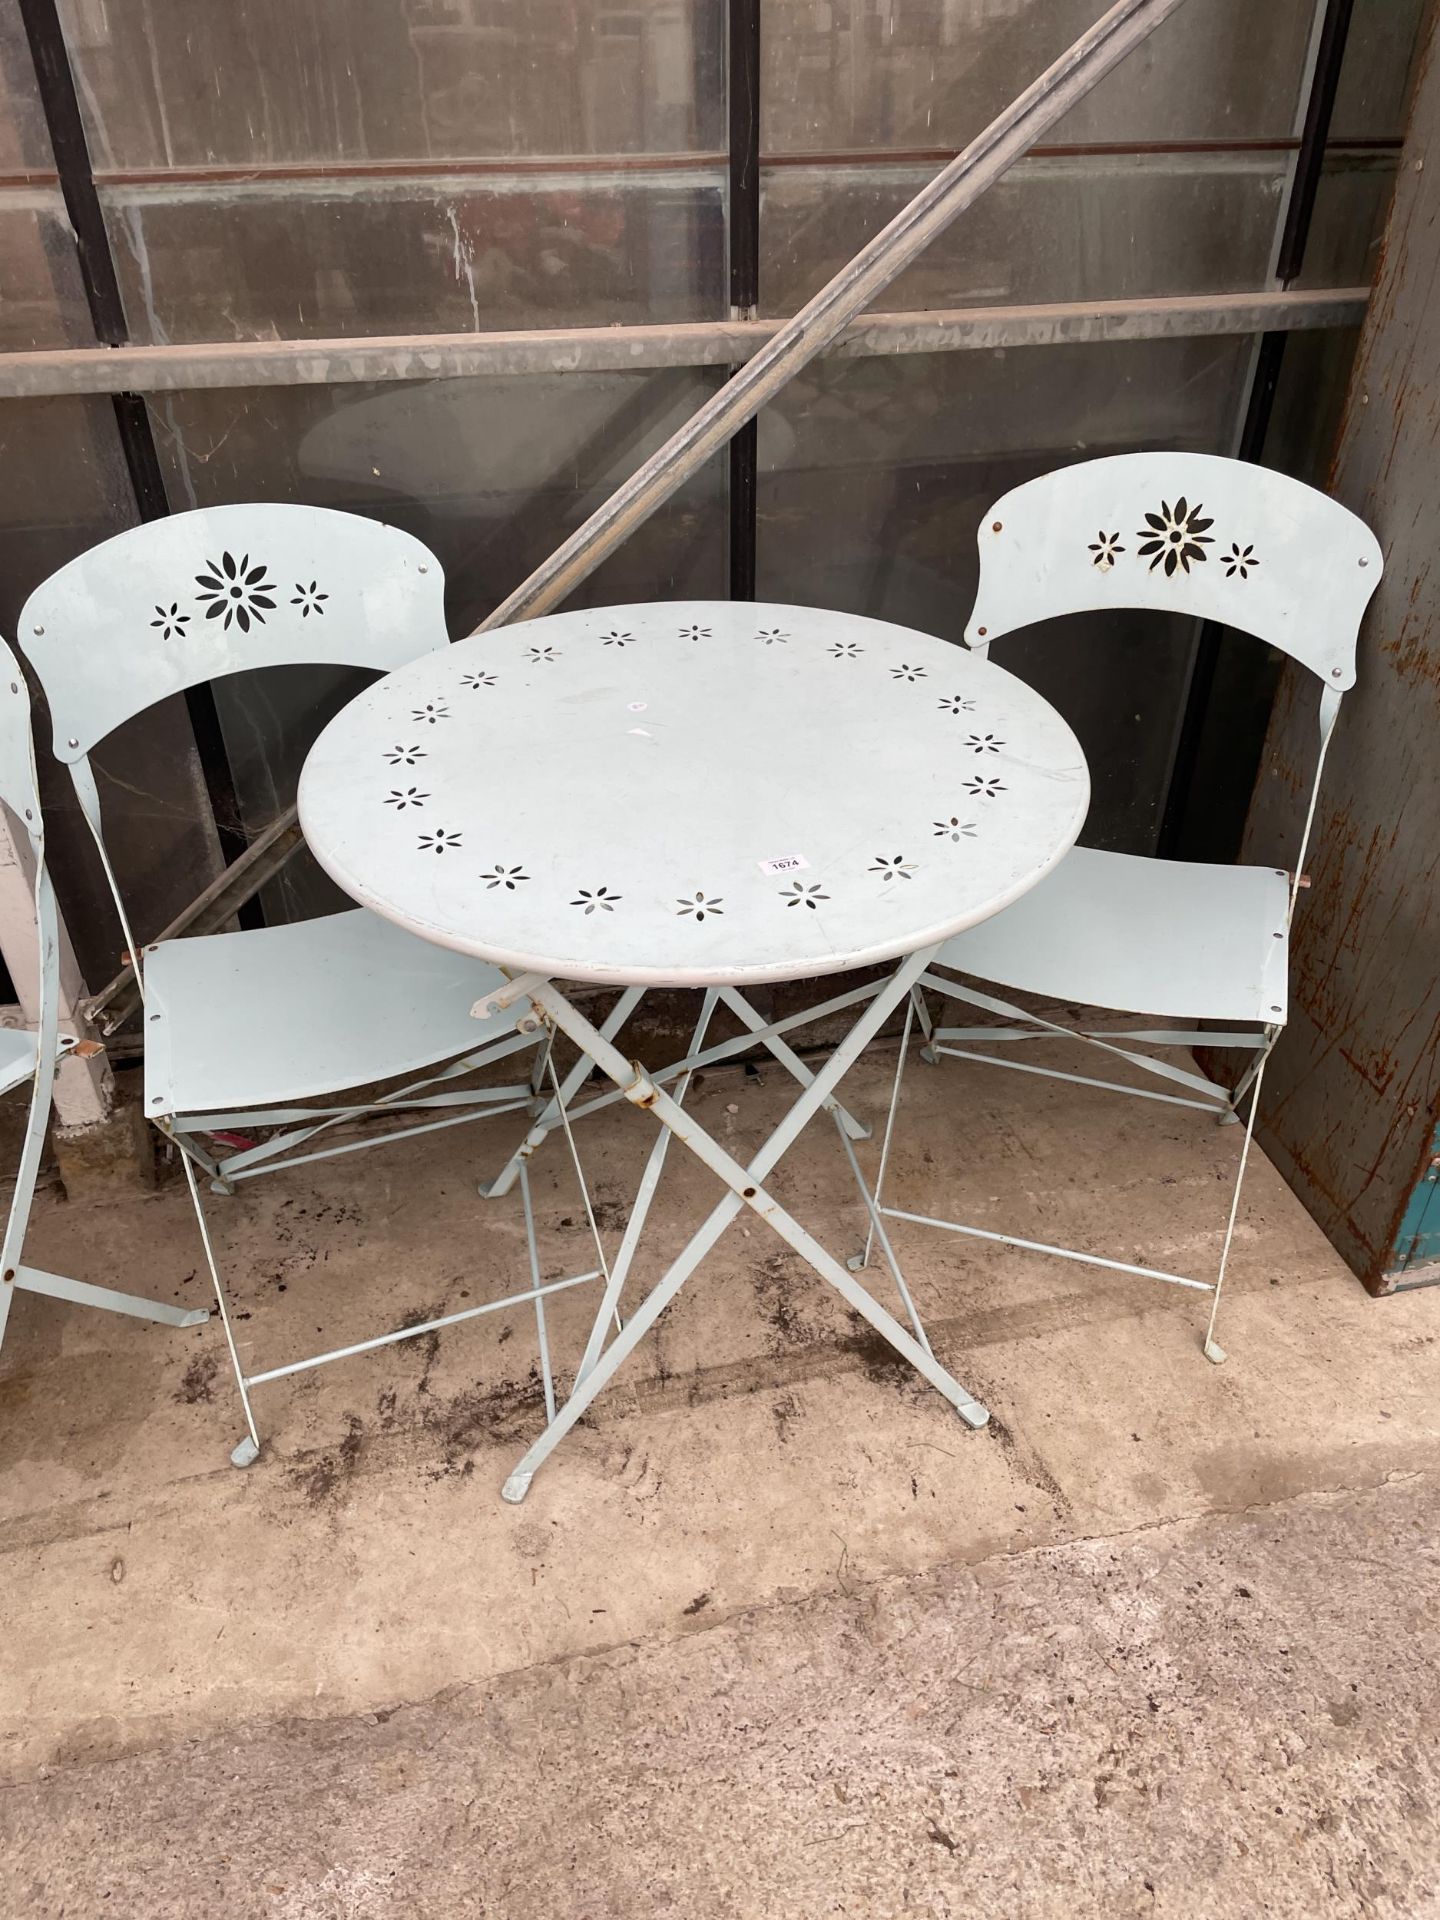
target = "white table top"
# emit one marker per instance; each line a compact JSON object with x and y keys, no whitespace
{"x":689,"y":793}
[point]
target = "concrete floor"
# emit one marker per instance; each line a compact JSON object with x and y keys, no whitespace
{"x":773,"y":1634}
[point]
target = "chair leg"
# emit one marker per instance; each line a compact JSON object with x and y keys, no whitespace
{"x":191,"y":1150}
{"x":927,"y":1027}
{"x":1213,"y":1350}
{"x":60,"y":1286}
{"x":541,"y":1334}
{"x":248,"y":1450}
{"x":1230,"y":1117}
{"x":857,"y":1261}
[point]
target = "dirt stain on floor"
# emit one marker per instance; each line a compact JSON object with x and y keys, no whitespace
{"x":198,"y":1380}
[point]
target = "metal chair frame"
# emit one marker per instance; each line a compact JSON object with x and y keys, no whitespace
{"x":34,"y":1056}
{"x":1299,"y":573}
{"x":124,"y":626}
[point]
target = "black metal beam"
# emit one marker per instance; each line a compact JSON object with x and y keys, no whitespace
{"x":1178,"y":832}
{"x":744,"y":249}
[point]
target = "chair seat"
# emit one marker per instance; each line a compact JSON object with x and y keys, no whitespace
{"x":276,"y":1014}
{"x":1142,"y":936}
{"x":18,"y":1050}
{"x":17,"y":1057}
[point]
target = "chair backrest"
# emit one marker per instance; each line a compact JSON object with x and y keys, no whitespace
{"x":20,"y":791}
{"x":1185,"y":533}
{"x":181,"y":601}
{"x":19,"y":788}
{"x":186,"y":600}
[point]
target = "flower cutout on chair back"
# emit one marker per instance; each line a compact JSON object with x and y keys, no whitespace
{"x":235,"y":590}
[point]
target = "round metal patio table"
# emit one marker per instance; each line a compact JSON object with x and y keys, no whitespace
{"x":686,"y":793}
{"x":699,"y":794}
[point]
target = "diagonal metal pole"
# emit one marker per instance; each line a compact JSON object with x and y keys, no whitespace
{"x":814,"y":328}
{"x":818,"y":323}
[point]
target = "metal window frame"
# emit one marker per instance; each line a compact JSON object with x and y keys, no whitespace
{"x":365,"y":358}
{"x":129,"y":372}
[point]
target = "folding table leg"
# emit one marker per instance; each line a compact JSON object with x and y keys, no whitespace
{"x":745,"y":1190}
{"x":574,"y":1080}
{"x":639,"y":1213}
{"x":788,"y":1058}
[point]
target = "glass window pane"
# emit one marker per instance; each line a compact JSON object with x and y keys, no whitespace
{"x":490,"y":473}
{"x":867,"y":74}
{"x":43,"y":303}
{"x":874,"y":478}
{"x":324,"y":259}
{"x":204,"y":83}
{"x":1087,"y":228}
{"x":1348,"y":224}
{"x":1380,"y":55}
{"x":24,"y":142}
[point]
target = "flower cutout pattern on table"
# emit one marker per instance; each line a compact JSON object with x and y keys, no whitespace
{"x":802,"y":896}
{"x":984,"y":742}
{"x":955,"y":828}
{"x":985,"y":786}
{"x":236,"y":592}
{"x":309,"y":599}
{"x":701,"y":906}
{"x":439,"y":842}
{"x":694,"y":633}
{"x":906,"y":672}
{"x":846,"y":650}
{"x":1105,"y":547}
{"x":402,"y":797}
{"x":474,"y":681}
{"x":1176,"y":537}
{"x":957,"y":703}
{"x":172,"y":623}
{"x":773,"y":636}
{"x":507,"y":877}
{"x":616,"y":639}
{"x":892,"y":867}
{"x":404,"y":756}
{"x":432,"y":711}
{"x":596,"y":900}
{"x":1239,"y":560}
{"x":541,"y":655}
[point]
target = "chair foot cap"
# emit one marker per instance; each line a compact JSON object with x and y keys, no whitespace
{"x":226,"y":1187}
{"x":1229,"y":1118}
{"x":974,"y":1415}
{"x":930,"y":1056}
{"x":196,"y":1317}
{"x":1215,"y":1354}
{"x":857,"y":1263}
{"x":246,"y":1454}
{"x":516,"y":1488}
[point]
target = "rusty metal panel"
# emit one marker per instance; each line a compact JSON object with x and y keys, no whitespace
{"x":1353,"y":1094}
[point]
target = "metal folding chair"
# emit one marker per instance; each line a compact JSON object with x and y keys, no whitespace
{"x":252,"y":1029}
{"x":33,"y":1056}
{"x":1220,"y":540}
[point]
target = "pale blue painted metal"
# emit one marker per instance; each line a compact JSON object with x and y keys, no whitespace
{"x":1217,"y":540}
{"x":33,"y":1056}
{"x":242,"y":1026}
{"x":714,"y":795}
